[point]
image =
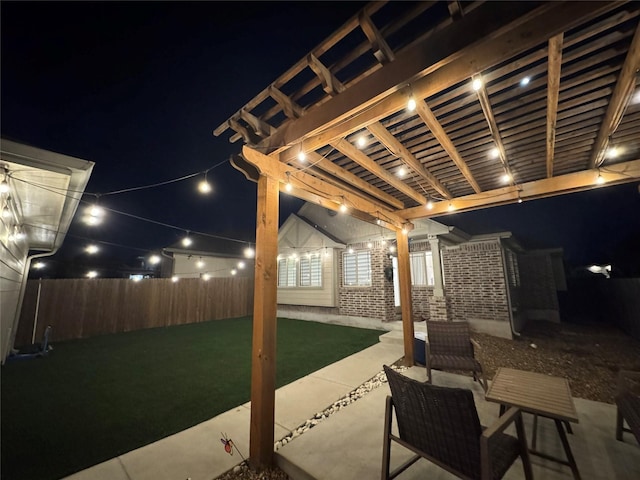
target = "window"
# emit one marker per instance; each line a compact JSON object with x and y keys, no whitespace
{"x":422,"y":269}
{"x":311,"y":271}
{"x":303,"y":272}
{"x":287,"y":272}
{"x":357,"y":268}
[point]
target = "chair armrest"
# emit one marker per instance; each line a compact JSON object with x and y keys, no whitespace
{"x":499,"y":426}
{"x":477,"y":348}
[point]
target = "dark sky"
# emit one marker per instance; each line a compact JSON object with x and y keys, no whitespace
{"x":138,"y":87}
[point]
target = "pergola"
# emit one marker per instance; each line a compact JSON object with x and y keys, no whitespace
{"x":416,"y":109}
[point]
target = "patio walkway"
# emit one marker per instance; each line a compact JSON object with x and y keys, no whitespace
{"x":348,"y":444}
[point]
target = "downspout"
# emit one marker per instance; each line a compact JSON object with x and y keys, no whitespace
{"x":508,"y":291}
{"x":23,"y":289}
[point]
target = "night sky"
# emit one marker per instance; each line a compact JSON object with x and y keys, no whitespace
{"x":138,"y":88}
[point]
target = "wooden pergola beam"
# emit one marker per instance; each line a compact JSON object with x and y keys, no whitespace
{"x":615,"y":174}
{"x":485,"y":103}
{"x":428,"y":117}
{"x":483,"y":37}
{"x":318,"y":161}
{"x":283,"y":173}
{"x":381,"y":49}
{"x":398,"y":149}
{"x":619,"y":101}
{"x":365,"y":162}
{"x":553,"y":92}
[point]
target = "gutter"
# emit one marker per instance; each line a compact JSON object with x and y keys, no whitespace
{"x":506,"y":286}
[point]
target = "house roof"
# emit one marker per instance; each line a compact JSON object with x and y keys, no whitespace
{"x":538,"y":91}
{"x":46,"y":188}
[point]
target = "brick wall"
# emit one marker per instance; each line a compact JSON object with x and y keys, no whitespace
{"x":375,"y":301}
{"x":421,"y":295}
{"x":475,"y":282}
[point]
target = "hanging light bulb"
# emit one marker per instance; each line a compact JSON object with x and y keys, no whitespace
{"x":204,"y":186}
{"x":92,"y":274}
{"x":94,"y":215}
{"x":302,"y":157}
{"x":6,"y":213}
{"x":38,"y":265}
{"x":175,"y":278}
{"x":477,"y":83}
{"x":451,"y":208}
{"x":200,"y":264}
{"x":429,"y":205}
{"x":392,"y":248}
{"x":343,"y":207}
{"x":234,"y":271}
{"x":91,"y":249}
{"x":402,"y":172}
{"x":369,"y":245}
{"x":154,"y":259}
{"x":350,"y":250}
{"x":362,"y":141}
{"x":186,"y":241}
{"x":288,"y":187}
{"x":411,"y":104}
{"x":249,"y":252}
{"x":506,"y":178}
{"x":4,"y":186}
{"x":599,"y":179}
{"x":241,"y":265}
{"x":206,"y":277}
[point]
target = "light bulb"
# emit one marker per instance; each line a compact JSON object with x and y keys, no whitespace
{"x":506,"y":178}
{"x":175,"y":278}
{"x":350,"y":250}
{"x":91,"y":249}
{"x":96,"y":211}
{"x":494,"y":153}
{"x":599,"y":179}
{"x":206,"y":277}
{"x":249,"y":252}
{"x":369,"y":245}
{"x":4,"y":186}
{"x":525,"y":81}
{"x":154,"y":259}
{"x":451,"y":208}
{"x":241,"y":265}
{"x":411,"y":104}
{"x":288,"y":187}
{"x":519,"y":200}
{"x":402,"y":172}
{"x":234,"y":271}
{"x":392,"y":249}
{"x":204,"y":187}
{"x":343,"y":208}
{"x":613,"y":152}
{"x":302,"y":156}
{"x":477,"y":84}
{"x":38,"y":265}
{"x":92,"y":274}
{"x":200,"y":264}
{"x":362,"y":141}
{"x":186,"y":241}
{"x":429,"y":205}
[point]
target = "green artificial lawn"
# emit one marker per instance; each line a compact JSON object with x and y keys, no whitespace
{"x":92,"y":400}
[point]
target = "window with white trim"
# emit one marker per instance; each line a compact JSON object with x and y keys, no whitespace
{"x":356,"y":268}
{"x":422,"y":269}
{"x":287,"y":272}
{"x":305,"y":271}
{"x":311,"y":271}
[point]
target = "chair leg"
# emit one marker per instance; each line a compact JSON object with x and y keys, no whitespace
{"x":386,"y":444}
{"x":619,"y":424}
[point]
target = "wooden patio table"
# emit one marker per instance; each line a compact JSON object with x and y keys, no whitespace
{"x":541,"y":395}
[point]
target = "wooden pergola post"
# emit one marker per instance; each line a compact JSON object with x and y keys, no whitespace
{"x":263,"y":354}
{"x":404,"y":277}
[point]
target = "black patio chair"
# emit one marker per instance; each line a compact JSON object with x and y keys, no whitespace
{"x":441,"y":424}
{"x":449,"y":346}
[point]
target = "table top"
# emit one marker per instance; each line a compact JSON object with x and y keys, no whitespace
{"x":533,"y":392}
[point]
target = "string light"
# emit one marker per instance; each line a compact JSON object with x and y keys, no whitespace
{"x":494,"y":153}
{"x":302,"y":157}
{"x":206,"y":277}
{"x":94,"y":215}
{"x":477,"y":83}
{"x":249,"y":252}
{"x":288,"y":186}
{"x":4,"y":185}
{"x":92,"y":274}
{"x":506,"y":178}
{"x":392,"y":248}
{"x":429,"y":205}
{"x":241,"y":265}
{"x":204,"y":186}
{"x":369,"y":245}
{"x":343,"y":206}
{"x":234,"y":271}
{"x":402,"y":172}
{"x":186,"y":241}
{"x":525,"y":81}
{"x":200,"y":263}
{"x":91,"y":249}
{"x":599,"y":179}
{"x":6,"y":213}
{"x":362,"y":141}
{"x":38,"y":265}
{"x":411,"y":104}
{"x":350,"y":250}
{"x":154,"y":259}
{"x":613,"y":152}
{"x":450,"y":208}
{"x":175,"y":278}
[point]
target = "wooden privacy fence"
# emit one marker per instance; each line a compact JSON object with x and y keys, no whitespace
{"x":81,"y":308}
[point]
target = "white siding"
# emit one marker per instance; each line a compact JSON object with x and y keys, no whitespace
{"x":12,"y":260}
{"x":185,"y":266}
{"x":324,"y":296}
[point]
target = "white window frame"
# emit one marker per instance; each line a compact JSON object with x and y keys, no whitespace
{"x":315,"y":271}
{"x":290,"y":272}
{"x":422,"y":272}
{"x":360,"y":261}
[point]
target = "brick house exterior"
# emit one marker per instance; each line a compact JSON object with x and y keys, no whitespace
{"x":488,"y":280}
